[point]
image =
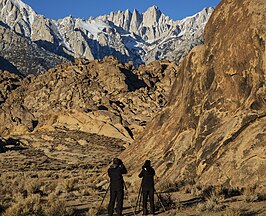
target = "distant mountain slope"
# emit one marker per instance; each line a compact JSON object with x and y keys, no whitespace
{"x":22,"y":56}
{"x":126,"y":35}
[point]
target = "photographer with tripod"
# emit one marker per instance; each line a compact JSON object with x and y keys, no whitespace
{"x":115,"y":172}
{"x":147,"y":186}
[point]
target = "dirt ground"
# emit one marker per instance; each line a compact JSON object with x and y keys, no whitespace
{"x":63,"y":173}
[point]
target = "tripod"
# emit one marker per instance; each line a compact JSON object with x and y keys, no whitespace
{"x":138,"y":200}
{"x":160,"y":200}
{"x":105,"y":197}
{"x":140,"y":196}
{"x":129,"y":199}
{"x":103,"y":200}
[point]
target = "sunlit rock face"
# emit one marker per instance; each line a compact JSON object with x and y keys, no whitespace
{"x":102,"y":97}
{"x":213,"y":130}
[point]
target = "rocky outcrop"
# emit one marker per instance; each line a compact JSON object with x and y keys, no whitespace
{"x":8,"y":83}
{"x":22,"y":56}
{"x":129,"y":36}
{"x":213,"y":130}
{"x":102,"y":97}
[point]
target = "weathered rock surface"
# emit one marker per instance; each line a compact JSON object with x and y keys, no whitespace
{"x":8,"y":83}
{"x":213,"y":130}
{"x":102,"y":97}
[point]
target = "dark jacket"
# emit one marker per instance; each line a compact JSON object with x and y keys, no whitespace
{"x":147,"y":174}
{"x":115,"y":174}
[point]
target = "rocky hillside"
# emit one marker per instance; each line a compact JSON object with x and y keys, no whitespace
{"x":22,"y":56}
{"x":213,"y":130}
{"x":139,"y":37}
{"x":103,"y":97}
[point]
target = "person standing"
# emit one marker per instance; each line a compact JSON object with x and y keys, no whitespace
{"x":147,"y":174}
{"x":115,"y":172}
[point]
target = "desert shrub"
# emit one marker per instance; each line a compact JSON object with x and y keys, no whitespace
{"x":212,"y":196}
{"x":231,"y":192}
{"x":250,"y":194}
{"x":215,"y":193}
{"x":87,"y":191}
{"x":168,"y":186}
{"x":261,"y":197}
{"x":2,"y":206}
{"x":69,"y":184}
{"x":33,"y":186}
{"x":195,"y":190}
{"x":24,"y":207}
{"x":164,"y":200}
{"x":18,"y":184}
{"x":57,"y":208}
{"x":210,"y":206}
{"x":49,"y":187}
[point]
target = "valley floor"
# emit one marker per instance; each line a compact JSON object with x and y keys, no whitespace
{"x":63,"y":173}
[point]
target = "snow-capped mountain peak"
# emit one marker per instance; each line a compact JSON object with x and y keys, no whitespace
{"x":140,"y":37}
{"x":16,"y":13}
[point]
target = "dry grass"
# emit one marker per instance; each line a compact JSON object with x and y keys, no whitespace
{"x":27,"y":195}
{"x":232,"y":212}
{"x":214,"y":197}
{"x":62,"y":178}
{"x":23,"y":207}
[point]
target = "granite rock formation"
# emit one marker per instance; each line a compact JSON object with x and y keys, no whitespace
{"x":103,"y":97}
{"x":213,"y":130}
{"x":8,"y":83}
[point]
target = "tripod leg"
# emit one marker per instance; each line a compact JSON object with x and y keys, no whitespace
{"x":103,"y":200}
{"x":129,"y":199}
{"x":138,"y":199}
{"x":160,"y":200}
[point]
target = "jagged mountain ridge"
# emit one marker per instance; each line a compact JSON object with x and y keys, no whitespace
{"x":127,"y":35}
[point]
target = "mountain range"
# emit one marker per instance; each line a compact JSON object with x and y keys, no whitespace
{"x":129,"y":36}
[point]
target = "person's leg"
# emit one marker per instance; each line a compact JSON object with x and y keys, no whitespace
{"x":111,"y":205}
{"x":120,"y":199}
{"x":145,"y":200}
{"x":151,"y":197}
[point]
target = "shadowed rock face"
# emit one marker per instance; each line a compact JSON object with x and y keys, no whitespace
{"x":102,"y":97}
{"x":213,"y":130}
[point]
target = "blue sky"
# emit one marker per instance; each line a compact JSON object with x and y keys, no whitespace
{"x":176,"y":9}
